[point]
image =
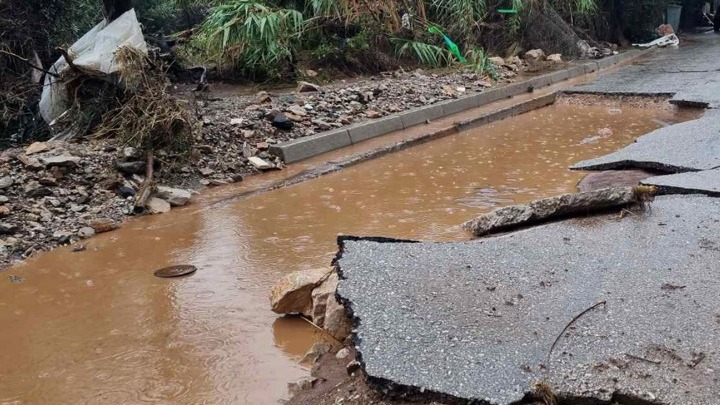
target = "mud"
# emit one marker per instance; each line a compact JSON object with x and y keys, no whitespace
{"x":97,"y":327}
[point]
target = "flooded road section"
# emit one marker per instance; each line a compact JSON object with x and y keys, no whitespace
{"x":96,"y":327}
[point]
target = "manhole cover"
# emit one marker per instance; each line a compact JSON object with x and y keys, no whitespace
{"x":175,"y":271}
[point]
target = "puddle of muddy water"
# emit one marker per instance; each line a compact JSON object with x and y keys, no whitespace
{"x":97,"y":327}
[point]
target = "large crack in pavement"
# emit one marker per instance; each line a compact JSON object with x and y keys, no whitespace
{"x":474,"y":321}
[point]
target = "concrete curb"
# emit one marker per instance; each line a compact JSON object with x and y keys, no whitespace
{"x":307,"y":147}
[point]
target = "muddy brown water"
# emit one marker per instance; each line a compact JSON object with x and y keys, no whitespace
{"x":97,"y":327}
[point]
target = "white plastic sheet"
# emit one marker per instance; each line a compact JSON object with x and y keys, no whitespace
{"x":667,"y":40}
{"x":95,"y":51}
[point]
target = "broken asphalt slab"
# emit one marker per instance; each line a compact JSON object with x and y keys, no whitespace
{"x":688,"y":146}
{"x":688,"y":73}
{"x":706,"y":182}
{"x":476,"y":320}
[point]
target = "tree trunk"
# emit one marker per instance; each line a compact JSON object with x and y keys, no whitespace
{"x":115,"y":8}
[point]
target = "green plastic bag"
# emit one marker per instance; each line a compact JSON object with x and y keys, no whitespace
{"x":450,"y":44}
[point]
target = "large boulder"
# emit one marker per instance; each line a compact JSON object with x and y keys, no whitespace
{"x":175,"y":196}
{"x":320,"y":297}
{"x":293,"y":293}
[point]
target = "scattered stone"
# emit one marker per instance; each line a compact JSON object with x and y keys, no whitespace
{"x":237,"y":121}
{"x":262,"y":97}
{"x":206,"y":171}
{"x":4,"y":211}
{"x":62,"y":237}
{"x":175,"y":196}
{"x":260,"y":164}
{"x":31,"y":163}
{"x":8,"y":229}
{"x":306,"y":87}
{"x":6,"y":182}
{"x":125,"y":192}
{"x":293,"y":293}
{"x":86,"y":232}
{"x":372,"y":114}
{"x":497,"y":61}
{"x":37,"y":147}
{"x":342,"y":353}
{"x":104,"y":225}
{"x":38,"y":192}
{"x":67,"y":161}
{"x":353,"y":367}
{"x":322,"y":124}
{"x":280,"y":121}
{"x":157,"y":206}
{"x":131,"y":153}
{"x":297,"y":110}
{"x":556,"y":57}
{"x":317,"y":350}
{"x":535,"y":55}
{"x":311,"y":73}
{"x":303,"y":384}
{"x":130,"y":168}
{"x":217,"y":182}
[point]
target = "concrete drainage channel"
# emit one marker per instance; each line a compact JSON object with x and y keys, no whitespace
{"x":304,"y":148}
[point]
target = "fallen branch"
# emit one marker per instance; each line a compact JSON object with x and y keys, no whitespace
{"x":30,"y":64}
{"x":572,"y":321}
{"x":69,"y":60}
{"x":145,"y":191}
{"x":564,"y":206}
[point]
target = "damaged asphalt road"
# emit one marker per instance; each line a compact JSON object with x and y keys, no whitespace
{"x":689,"y":73}
{"x":476,"y":320}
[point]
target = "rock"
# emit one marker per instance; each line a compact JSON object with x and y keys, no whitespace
{"x":175,"y":196}
{"x":31,"y":163}
{"x":372,"y":114}
{"x":206,"y":171}
{"x":131,"y":153}
{"x":86,"y":232}
{"x":294,"y":118}
{"x":157,"y":206}
{"x":38,"y":192}
{"x":535,"y":55}
{"x":497,"y":61}
{"x":48,"y":181}
{"x":320,"y":296}
{"x":4,"y":199}
{"x":303,"y":384}
{"x":262,"y":146}
{"x":306,"y":87}
{"x":352,"y":367}
{"x":67,"y":161}
{"x":262,"y":97}
{"x":4,"y":211}
{"x":260,"y":164}
{"x":297,"y":110}
{"x":104,"y":225}
{"x":237,"y":121}
{"x":37,"y":147}
{"x":6,"y":182}
{"x":293,"y":293}
{"x":317,"y":350}
{"x":63,"y":237}
{"x":8,"y":229}
{"x":512,"y":217}
{"x":135,"y":167}
{"x":321,"y":124}
{"x":311,"y":73}
{"x":605,"y":132}
{"x":337,"y":322}
{"x":125,"y":192}
{"x":342,"y":353}
{"x":216,"y":182}
{"x":556,"y":57}
{"x":280,"y":121}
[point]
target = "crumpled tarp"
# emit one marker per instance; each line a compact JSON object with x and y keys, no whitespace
{"x":95,"y":51}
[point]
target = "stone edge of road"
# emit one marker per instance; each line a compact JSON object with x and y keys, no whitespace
{"x":307,"y":147}
{"x":322,"y":169}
